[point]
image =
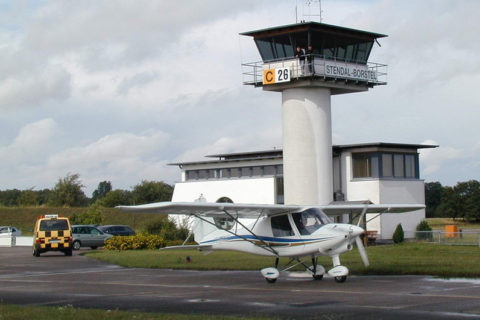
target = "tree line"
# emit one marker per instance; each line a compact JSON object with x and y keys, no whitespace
{"x":461,"y":201}
{"x":68,"y":192}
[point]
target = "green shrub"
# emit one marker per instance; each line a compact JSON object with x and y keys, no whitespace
{"x":167,"y":229}
{"x":94,"y":215}
{"x":398,"y":235}
{"x":137,"y":242}
{"x":423,"y":229}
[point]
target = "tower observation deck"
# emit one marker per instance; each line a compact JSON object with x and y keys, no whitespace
{"x":338,"y":58}
{"x":308,"y":62}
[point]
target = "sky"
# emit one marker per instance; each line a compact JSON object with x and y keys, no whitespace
{"x":117,"y":90}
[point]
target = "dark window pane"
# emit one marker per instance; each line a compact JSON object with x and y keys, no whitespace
{"x":202,"y":174}
{"x":234,"y":173}
{"x":225,"y":173}
{"x":246,"y":172}
{"x":265,"y":49}
{"x":410,"y":166}
{"x":257,"y":171}
{"x":269,"y":170}
{"x":387,"y":165}
{"x":211,"y":174}
{"x":50,"y":225}
{"x":398,"y":165}
{"x":192,"y":175}
{"x":279,"y":169}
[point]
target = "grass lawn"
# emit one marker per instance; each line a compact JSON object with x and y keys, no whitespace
{"x":440,"y":223}
{"x":407,"y":258}
{"x":15,"y":312}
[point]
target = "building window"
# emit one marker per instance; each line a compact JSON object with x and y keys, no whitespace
{"x":246,"y":172}
{"x":410,"y":165}
{"x":269,"y":170}
{"x":257,"y":171}
{"x":225,"y":173}
{"x":365,"y":165}
{"x":202,"y":174}
{"x":279,"y":170}
{"x":398,"y":165}
{"x":385,"y":165}
{"x":192,"y":175}
{"x":234,"y":172}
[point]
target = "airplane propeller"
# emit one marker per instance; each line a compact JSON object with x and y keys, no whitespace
{"x":362,"y":251}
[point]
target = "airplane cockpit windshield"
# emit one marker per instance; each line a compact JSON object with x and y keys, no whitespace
{"x":310,"y":220}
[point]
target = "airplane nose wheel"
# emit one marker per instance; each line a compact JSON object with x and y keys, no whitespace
{"x":340,"y":279}
{"x":270,"y":280}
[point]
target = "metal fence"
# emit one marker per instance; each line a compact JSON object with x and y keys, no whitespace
{"x":464,"y":237}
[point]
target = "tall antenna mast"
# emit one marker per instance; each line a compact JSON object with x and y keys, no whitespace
{"x":311,"y":10}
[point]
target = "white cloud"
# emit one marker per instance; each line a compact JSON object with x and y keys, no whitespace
{"x":116,"y":90}
{"x":51,"y":83}
{"x":433,"y":160}
{"x":31,"y":142}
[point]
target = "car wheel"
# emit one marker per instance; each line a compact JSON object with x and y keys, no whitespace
{"x":76,"y":245}
{"x":94,"y":247}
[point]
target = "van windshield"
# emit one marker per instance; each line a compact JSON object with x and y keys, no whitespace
{"x":50,"y":225}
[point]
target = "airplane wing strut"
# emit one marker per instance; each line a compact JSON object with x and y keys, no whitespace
{"x":266,"y":247}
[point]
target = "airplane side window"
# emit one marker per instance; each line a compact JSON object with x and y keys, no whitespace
{"x":281,"y":226}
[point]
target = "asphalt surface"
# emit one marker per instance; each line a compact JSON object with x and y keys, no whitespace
{"x":54,"y":280}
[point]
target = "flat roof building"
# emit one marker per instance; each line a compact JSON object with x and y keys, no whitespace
{"x":376,"y":172}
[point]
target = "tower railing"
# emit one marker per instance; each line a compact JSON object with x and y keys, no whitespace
{"x":318,"y":67}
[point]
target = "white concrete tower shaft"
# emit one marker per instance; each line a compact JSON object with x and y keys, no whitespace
{"x":307,"y":146}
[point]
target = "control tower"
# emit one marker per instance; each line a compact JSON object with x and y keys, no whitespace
{"x":308,"y":62}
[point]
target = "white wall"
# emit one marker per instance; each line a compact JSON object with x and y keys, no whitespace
{"x":253,"y":190}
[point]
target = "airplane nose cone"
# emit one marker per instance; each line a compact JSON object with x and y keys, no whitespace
{"x":356,"y":231}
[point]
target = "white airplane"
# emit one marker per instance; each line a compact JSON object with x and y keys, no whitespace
{"x":276,"y":230}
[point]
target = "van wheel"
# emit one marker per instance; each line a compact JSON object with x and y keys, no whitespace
{"x":36,"y":253}
{"x":76,"y":245}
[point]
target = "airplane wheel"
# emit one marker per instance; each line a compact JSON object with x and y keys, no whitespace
{"x":270,"y":280}
{"x":318,"y":277}
{"x":340,"y":279}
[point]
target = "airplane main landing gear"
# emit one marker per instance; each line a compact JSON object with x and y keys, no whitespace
{"x":338,"y":272}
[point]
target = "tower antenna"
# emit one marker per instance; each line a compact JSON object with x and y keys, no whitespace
{"x":311,"y":10}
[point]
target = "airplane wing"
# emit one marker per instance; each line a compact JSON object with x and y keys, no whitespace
{"x":335,"y":209}
{"x":207,"y":209}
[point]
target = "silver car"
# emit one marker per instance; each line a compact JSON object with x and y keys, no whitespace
{"x":88,"y":236}
{"x":10,"y":231}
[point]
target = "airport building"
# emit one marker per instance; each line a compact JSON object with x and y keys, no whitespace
{"x":373,"y":172}
{"x":307,"y":63}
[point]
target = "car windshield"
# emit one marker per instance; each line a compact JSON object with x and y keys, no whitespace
{"x":49,"y":225}
{"x":309,"y":221}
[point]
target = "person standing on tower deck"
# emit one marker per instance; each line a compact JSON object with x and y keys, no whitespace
{"x":310,"y":62}
{"x":300,"y":55}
